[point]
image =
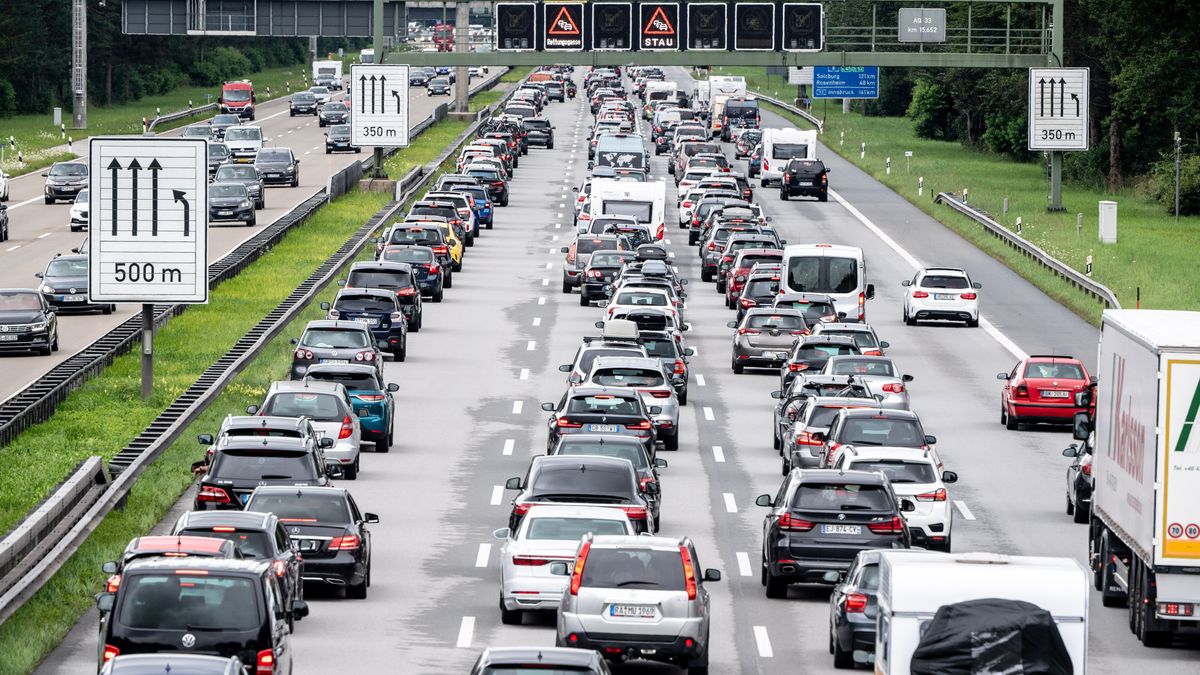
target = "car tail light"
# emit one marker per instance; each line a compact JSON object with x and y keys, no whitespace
{"x":571,"y":254}
{"x":347,"y":427}
{"x":727,"y":259}
{"x":433,"y":269}
{"x":712,"y":245}
{"x":113,"y":583}
{"x":766,"y":164}
{"x":303,"y":354}
{"x":279,"y":567}
{"x":893,"y":526}
{"x":566,"y":423}
{"x":365,"y":356}
{"x":1021,"y":391}
{"x":687,"y":204}
{"x":212,"y":495}
{"x":577,"y":572}
{"x":800,"y":332}
{"x":406,"y":293}
{"x":695,"y":220}
{"x":396,"y":316}
{"x":334,"y":314}
{"x":938,"y":495}
{"x":644,"y":425}
{"x":969,"y":296}
{"x":920,"y":294}
{"x":441,"y":249}
{"x":648,"y":480}
{"x":806,"y":438}
{"x":348,"y":542}
{"x":872,"y":352}
{"x":530,"y":561}
{"x":747,"y":303}
{"x":594,"y":274}
{"x":1176,"y":608}
{"x":797,"y":367}
{"x":689,"y":572}
{"x":372,"y":398}
{"x":679,"y":367}
{"x":265,"y":663}
{"x":658,"y":393}
{"x":862,"y":306}
{"x":1086,"y":469}
{"x":793,"y":524}
{"x":497,"y":183}
{"x":855,"y":603}
{"x":110,"y":653}
{"x":894,"y":388}
{"x":748,"y":331}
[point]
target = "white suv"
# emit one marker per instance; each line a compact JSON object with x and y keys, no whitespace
{"x":917,"y":475}
{"x":944,"y":293}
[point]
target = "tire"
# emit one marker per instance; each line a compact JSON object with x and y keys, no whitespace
{"x":107,"y":309}
{"x":449,"y":281}
{"x":842,"y":659}
{"x":705,"y":275}
{"x":261,"y":204}
{"x":437,"y":297}
{"x":510,"y":617}
{"x":973,"y":323}
{"x":738,"y":368}
{"x":291,"y":113}
{"x":328,"y":151}
{"x":456,"y":266}
{"x":49,"y":200}
{"x":1011,"y":422}
{"x":296,"y":181}
{"x":783,"y":195}
{"x":683,"y":397}
{"x":358,"y":592}
{"x":1070,"y":506}
{"x":1081,"y":515}
{"x":489,"y":225}
{"x":54,"y":345}
{"x":415,"y":325}
{"x":671,"y":443}
{"x":1003,"y":415}
{"x":1106,"y":598}
{"x":252,"y":222}
{"x":776,"y":588}
{"x":351,"y":471}
{"x":692,"y":237}
{"x":583,"y":300}
{"x":566,"y":286}
{"x":721,"y":288}
{"x":402,"y":353}
{"x":384,"y":443}
{"x":775,"y":442}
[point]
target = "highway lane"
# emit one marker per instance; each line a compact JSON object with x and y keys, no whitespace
{"x":39,"y":230}
{"x":469,"y":419}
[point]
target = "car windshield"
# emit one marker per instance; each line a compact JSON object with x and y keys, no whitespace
{"x":841,"y":497}
{"x":365,"y":303}
{"x":898,"y":471}
{"x":302,"y":507}
{"x":441,"y":81}
{"x":604,"y":404}
{"x":263,"y":465}
{"x":339,"y":130}
{"x":1061,"y":371}
{"x":218,"y":150}
{"x":202,"y":131}
{"x":407,"y":254}
{"x":379,"y":279}
{"x":334,"y":338}
{"x":628,"y":377}
{"x":83,"y":197}
{"x":179,"y":601}
{"x":19,"y":300}
{"x":571,"y":529}
{"x":243,"y":134}
{"x":68,"y":170}
{"x":227,"y":191}
{"x":319,"y":407}
{"x":323,"y":91}
{"x":303,"y":97}
{"x":775,"y":322}
{"x":877,"y":367}
{"x":880,"y":430}
{"x":335,"y":107}
{"x":642,"y":299}
{"x":820,"y":274}
{"x":77,"y":267}
{"x":274,"y":155}
{"x":237,"y":173}
{"x":236,"y":94}
{"x":479,"y":194}
{"x":250,"y":544}
{"x":586,"y":246}
{"x":634,"y":568}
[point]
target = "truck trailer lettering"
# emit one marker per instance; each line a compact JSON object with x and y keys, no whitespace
{"x":1127,"y":441}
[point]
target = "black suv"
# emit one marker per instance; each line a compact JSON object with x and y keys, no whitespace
{"x":820,"y":519}
{"x":278,"y":166}
{"x":541,"y":132}
{"x":805,"y":177}
{"x":379,"y":310}
{"x":242,"y":463}
{"x":399,"y":278}
{"x":259,"y":536}
{"x":238,"y":603}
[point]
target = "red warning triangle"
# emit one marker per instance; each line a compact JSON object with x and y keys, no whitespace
{"x":655,"y":25}
{"x":561,"y":22}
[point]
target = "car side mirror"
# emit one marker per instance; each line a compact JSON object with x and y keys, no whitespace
{"x":105,"y":601}
{"x":565,"y":249}
{"x":650,"y":488}
{"x":299,"y":609}
{"x":841,"y":315}
{"x":930,"y":440}
{"x":1071,"y":450}
{"x":109,"y":567}
{"x":39,"y":275}
{"x":949,"y":477}
{"x":548,"y":407}
{"x":502,"y":533}
{"x":558,"y":569}
{"x":334,"y":470}
{"x":906,"y":506}
{"x":655,"y":410}
{"x":575,"y":378}
{"x":906,"y":282}
{"x":689,"y":352}
{"x":251,"y":410}
{"x":564,"y":368}
{"x":1002,"y":376}
{"x":513,"y":483}
{"x":764,"y":500}
{"x":660,"y":463}
{"x":832,"y":577}
{"x":906,"y":378}
{"x":976,"y":285}
{"x":325,"y":306}
{"x":393,"y":387}
{"x":712,"y":575}
{"x":884,"y":345}
{"x":205,"y":439}
{"x":731,"y":324}
{"x":777,"y":394}
{"x":870,"y":290}
{"x":600,"y":324}
{"x":1081,"y":426}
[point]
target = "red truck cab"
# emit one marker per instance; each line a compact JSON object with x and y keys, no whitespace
{"x":443,"y":37}
{"x":237,"y":98}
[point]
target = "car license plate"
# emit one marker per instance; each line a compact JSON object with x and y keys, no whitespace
{"x":841,"y":529}
{"x":74,"y":298}
{"x":335,"y":360}
{"x":1047,"y":393}
{"x":943,"y":296}
{"x":224,"y":213}
{"x":603,"y":428}
{"x":7,"y":338}
{"x":368,"y":321}
{"x":309,"y":545}
{"x":635,"y":611}
{"x":272,"y":175}
{"x":804,"y":183}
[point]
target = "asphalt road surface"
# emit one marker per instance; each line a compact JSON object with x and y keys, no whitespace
{"x":469,"y":418}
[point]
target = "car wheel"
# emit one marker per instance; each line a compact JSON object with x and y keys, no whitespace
{"x":692,"y":237}
{"x":783,"y":194}
{"x":775,"y":441}
{"x":383,"y":442}
{"x":510,"y":617}
{"x":705,"y":275}
{"x":842,"y":659}
{"x":49,"y":200}
{"x":583,"y":300}
{"x":721,"y":287}
{"x":657,"y":524}
{"x":358,"y":592}
{"x":1003,"y":414}
{"x":401,"y":352}
{"x":973,"y":323}
{"x":456,"y":266}
{"x":488,"y":225}
{"x":776,"y":587}
{"x":449,"y":282}
{"x":1081,"y":515}
{"x":291,"y":113}
{"x":823,"y":197}
{"x":566,"y":286}
{"x":328,"y":151}
{"x":1011,"y":422}
{"x":351,"y":470}
{"x":683,"y":397}
{"x":671,"y":443}
{"x":909,"y":320}
{"x":296,"y":181}
{"x":107,"y":309}
{"x":437,"y":297}
{"x":738,"y":368}
{"x":252,"y":222}
{"x":1070,"y":506}
{"x":261,"y":204}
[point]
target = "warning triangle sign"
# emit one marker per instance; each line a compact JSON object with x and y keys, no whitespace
{"x":658,"y":24}
{"x":563,"y":24}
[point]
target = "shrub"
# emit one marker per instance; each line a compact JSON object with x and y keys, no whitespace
{"x":932,"y":111}
{"x":1006,"y":135}
{"x":8,"y":99}
{"x":1163,"y":184}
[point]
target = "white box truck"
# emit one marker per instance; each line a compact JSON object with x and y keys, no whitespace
{"x":646,"y":202}
{"x":914,"y":585}
{"x":327,"y":74}
{"x":1145,"y":527}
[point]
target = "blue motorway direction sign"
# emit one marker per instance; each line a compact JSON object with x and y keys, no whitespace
{"x":846,"y":82}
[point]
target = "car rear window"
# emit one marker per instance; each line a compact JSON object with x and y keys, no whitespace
{"x":264,"y":465}
{"x":810,"y":352}
{"x":322,"y":407}
{"x":615,"y":259}
{"x":351,"y":381}
{"x":379,"y":279}
{"x":662,"y":349}
{"x":762,"y":287}
{"x":485,"y":174}
{"x":898,"y":471}
{"x":639,"y":568}
{"x":408,"y":254}
{"x":585,"y":446}
{"x":642,"y":299}
{"x":307,"y":507}
{"x":1062,"y":371}
{"x":861,"y":338}
{"x":775,"y":321}
{"x":415,"y":235}
{"x":788,"y":150}
{"x":628,"y":377}
{"x":604,"y":404}
{"x":259,"y":431}
{"x":823,"y":415}
{"x":939,"y":281}
{"x":571,"y":529}
{"x":840,"y":497}
{"x":365,"y":303}
{"x":813,"y":311}
{"x":818,"y":274}
{"x":333,"y":338}
{"x":877,"y":367}
{"x":751,"y":260}
{"x":880,"y":430}
{"x":587,"y":245}
{"x":610,"y":481}
{"x":251,"y":544}
{"x":192,"y":602}
{"x":643,"y":212}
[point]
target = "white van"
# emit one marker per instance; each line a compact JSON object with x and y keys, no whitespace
{"x":914,"y":585}
{"x":646,"y":202}
{"x":780,"y":145}
{"x":836,"y":270}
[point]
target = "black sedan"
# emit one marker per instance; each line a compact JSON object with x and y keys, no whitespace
{"x":27,"y":322}
{"x":376,"y":308}
{"x":330,"y":531}
{"x":303,"y":103}
{"x":601,"y":410}
{"x":337,"y":139}
{"x":333,"y":113}
{"x":65,"y":284}
{"x":439,"y":86}
{"x":417,"y":78}
{"x":230,"y":202}
{"x":810,"y":353}
{"x":278,"y":166}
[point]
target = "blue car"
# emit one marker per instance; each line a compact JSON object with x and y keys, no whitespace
{"x":425,"y":268}
{"x":372,"y":399}
{"x":483,"y":203}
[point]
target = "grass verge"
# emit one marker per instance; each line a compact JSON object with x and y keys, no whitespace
{"x":117,"y":413}
{"x":1146,"y":255}
{"x":515,"y":75}
{"x":36,"y":137}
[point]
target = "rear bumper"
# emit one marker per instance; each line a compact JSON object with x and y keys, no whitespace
{"x":807,"y":569}
{"x":944,"y":315}
{"x":340,"y":570}
{"x":1047,"y":412}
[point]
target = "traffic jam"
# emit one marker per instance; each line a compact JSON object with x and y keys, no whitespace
{"x":863,"y":508}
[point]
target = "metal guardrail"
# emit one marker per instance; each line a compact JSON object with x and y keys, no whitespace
{"x":1095,"y":289}
{"x":181,"y":114}
{"x":811,"y":118}
{"x":56,"y":545}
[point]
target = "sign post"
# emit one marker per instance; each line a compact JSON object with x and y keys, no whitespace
{"x":1058,"y":118}
{"x":380,"y":100}
{"x":148,"y":242}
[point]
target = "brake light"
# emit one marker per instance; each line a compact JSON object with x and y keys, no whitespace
{"x":689,"y":572}
{"x":364,"y":356}
{"x":712,"y":245}
{"x":110,"y":652}
{"x":766,"y":164}
{"x":566,"y":423}
{"x":658,"y":393}
{"x":796,"y":367}
{"x":497,"y":183}
{"x":1021,"y":391}
{"x":920,"y":294}
{"x":806,"y":438}
{"x":679,"y":367}
{"x":530,"y":561}
{"x":433,"y":269}
{"x":347,"y":427}
{"x":303,"y":354}
{"x":969,"y":296}
{"x":1086,"y":469}
{"x":687,"y":203}
{"x":404,"y":293}
{"x":649,"y":480}
{"x":644,"y":425}
{"x":747,"y":303}
{"x":938,"y":495}
{"x":372,"y":398}
{"x":571,"y":254}
{"x":793,"y":524}
{"x":279,"y":567}
{"x":265,"y":663}
{"x":893,"y":526}
{"x":212,"y":495}
{"x":872,"y":352}
{"x":396,"y":316}
{"x":441,"y":249}
{"x":348,"y":542}
{"x":727,"y":259}
{"x":577,"y":573}
{"x":855,"y":603}
{"x":894,"y":388}
{"x":334,"y":314}
{"x":862,"y":306}
{"x":521,"y":508}
{"x":748,"y":331}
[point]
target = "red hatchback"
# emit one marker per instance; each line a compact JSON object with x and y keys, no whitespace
{"x":1041,"y":389}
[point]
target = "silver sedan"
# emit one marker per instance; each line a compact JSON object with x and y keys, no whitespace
{"x":879,"y":373}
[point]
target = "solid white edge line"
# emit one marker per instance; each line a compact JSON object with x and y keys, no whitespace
{"x":509,"y":444}
{"x":987,"y":326}
{"x":465,"y":631}
{"x":743,"y":561}
{"x":762,"y":640}
{"x":481,"y":558}
{"x":718,"y":453}
{"x":730,"y":503}
{"x":962,"y":508}
{"x":708,"y":414}
{"x":518,"y":406}
{"x":497,"y":494}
